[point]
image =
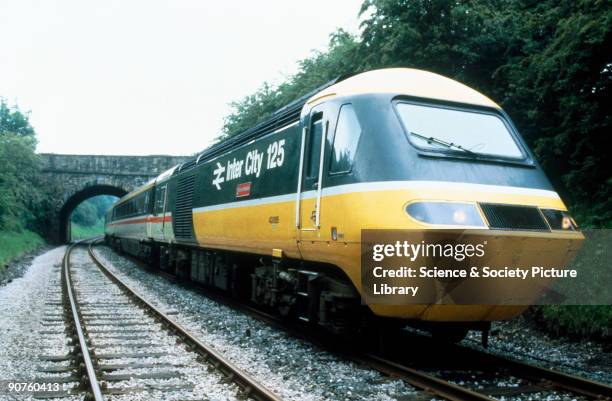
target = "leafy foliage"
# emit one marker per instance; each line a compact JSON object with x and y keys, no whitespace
{"x":87,"y":220}
{"x":576,"y":320}
{"x":14,"y":121}
{"x":558,"y":86}
{"x":85,"y":214}
{"x":103,"y":203}
{"x":92,"y":211}
{"x":20,"y":196}
{"x":547,"y":63}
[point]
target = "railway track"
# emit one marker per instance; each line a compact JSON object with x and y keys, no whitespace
{"x":477,"y":375}
{"x":123,"y":344}
{"x":430,"y":373}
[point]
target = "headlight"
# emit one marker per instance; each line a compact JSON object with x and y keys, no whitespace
{"x":447,"y":213}
{"x":559,"y":220}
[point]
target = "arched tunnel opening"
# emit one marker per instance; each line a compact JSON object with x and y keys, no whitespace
{"x":75,"y":200}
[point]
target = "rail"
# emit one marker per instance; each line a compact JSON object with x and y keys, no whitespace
{"x":92,"y":380}
{"x":249,"y":386}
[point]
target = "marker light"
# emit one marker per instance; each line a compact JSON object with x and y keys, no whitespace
{"x":446,"y":213}
{"x":559,"y":220}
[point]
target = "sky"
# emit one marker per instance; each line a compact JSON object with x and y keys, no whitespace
{"x":139,"y":77}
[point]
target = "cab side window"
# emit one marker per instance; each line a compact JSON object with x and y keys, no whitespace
{"x":314,"y":146}
{"x":346,"y":138}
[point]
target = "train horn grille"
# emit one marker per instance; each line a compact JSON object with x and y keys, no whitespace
{"x":512,"y":217}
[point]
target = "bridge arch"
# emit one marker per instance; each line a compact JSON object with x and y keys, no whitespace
{"x":71,"y":179}
{"x":77,"y":198}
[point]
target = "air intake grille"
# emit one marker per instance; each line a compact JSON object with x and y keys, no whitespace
{"x":183,"y":218}
{"x":510,"y":217}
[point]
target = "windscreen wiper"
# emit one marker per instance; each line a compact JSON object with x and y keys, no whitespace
{"x":438,"y":141}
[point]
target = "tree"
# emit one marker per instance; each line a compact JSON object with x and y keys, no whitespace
{"x":12,"y":120}
{"x":558,"y":83}
{"x":464,"y":40}
{"x":102,"y":203}
{"x":20,"y":196}
{"x":85,"y":214}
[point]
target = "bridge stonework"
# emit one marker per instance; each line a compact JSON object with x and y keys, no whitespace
{"x":74,"y":178}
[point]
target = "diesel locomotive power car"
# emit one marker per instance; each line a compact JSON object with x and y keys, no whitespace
{"x":274,"y":215}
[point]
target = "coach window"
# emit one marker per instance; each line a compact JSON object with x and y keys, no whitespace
{"x":314,"y":146}
{"x":346,"y":138}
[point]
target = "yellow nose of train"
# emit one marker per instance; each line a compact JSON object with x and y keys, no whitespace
{"x":521,"y":227}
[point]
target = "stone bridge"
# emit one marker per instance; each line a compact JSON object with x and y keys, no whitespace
{"x":75,"y":178}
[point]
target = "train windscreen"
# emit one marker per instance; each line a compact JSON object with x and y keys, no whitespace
{"x":442,"y":128}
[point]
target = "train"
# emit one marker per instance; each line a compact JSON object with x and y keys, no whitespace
{"x":274,"y":215}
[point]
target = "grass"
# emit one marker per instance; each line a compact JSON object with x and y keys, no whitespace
{"x":579,"y":321}
{"x":82,"y":232}
{"x":587,"y":313}
{"x":14,"y":244}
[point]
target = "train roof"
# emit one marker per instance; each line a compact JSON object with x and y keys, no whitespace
{"x":284,"y":116}
{"x":404,"y":81}
{"x":135,"y":192}
{"x":401,"y":81}
{"x":163,"y":176}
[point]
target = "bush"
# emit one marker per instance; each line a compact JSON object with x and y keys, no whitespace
{"x":21,"y":195}
{"x":576,"y":321}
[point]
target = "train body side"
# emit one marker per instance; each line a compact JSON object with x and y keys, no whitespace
{"x":279,"y":196}
{"x":142,"y":218}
